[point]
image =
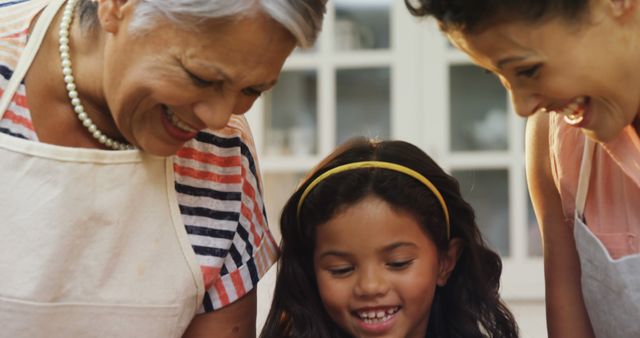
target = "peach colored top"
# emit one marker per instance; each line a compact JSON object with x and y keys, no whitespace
{"x":612,"y":210}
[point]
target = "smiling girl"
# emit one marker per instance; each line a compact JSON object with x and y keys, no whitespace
{"x":378,"y":242}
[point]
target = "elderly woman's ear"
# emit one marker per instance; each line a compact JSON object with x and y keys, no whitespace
{"x":111,"y":13}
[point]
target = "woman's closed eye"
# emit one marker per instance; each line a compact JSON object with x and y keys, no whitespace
{"x":252,"y":92}
{"x":529,"y":72}
{"x":200,"y":82}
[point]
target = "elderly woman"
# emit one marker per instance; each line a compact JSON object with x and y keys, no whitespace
{"x":571,"y":66}
{"x":131,"y":202}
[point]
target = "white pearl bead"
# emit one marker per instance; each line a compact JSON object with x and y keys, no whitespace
{"x":65,"y":57}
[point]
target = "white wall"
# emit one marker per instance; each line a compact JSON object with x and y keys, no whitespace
{"x":530,"y":317}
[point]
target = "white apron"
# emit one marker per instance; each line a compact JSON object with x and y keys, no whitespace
{"x":91,"y":241}
{"x":610,"y":287}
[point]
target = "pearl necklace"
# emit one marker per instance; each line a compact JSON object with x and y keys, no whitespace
{"x":78,"y":108}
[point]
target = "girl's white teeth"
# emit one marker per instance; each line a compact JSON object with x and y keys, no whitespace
{"x":379,"y":316}
{"x":177,"y":122}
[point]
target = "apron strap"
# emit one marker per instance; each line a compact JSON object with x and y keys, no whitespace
{"x":29,"y":52}
{"x":585,"y":174}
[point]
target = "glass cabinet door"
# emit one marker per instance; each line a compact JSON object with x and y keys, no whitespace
{"x":339,"y":89}
{"x":478,"y":123}
{"x":478,"y":110}
{"x":362,"y":31}
{"x":363,"y":103}
{"x":291,"y":115}
{"x":487,"y":191}
{"x":484,"y":151}
{"x":362,"y":24}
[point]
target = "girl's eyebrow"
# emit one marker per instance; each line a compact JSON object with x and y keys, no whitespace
{"x":336,"y":253}
{"x":396,"y":245}
{"x":387,"y":248}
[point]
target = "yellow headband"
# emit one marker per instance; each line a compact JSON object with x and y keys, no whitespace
{"x":378,"y":164}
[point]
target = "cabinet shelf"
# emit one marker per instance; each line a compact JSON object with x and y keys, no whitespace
{"x":342,"y":59}
{"x":481,"y":160}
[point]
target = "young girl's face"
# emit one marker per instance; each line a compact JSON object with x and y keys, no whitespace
{"x":377,"y":270}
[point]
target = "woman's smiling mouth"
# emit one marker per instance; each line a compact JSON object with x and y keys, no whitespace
{"x":177,"y":128}
{"x":574,"y":112}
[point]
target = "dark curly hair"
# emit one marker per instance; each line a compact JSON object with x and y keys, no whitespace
{"x":474,"y":15}
{"x":467,"y":306}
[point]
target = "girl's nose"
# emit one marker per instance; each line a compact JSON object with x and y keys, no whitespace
{"x":371,"y":282}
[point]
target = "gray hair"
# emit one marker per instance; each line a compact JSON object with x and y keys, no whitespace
{"x":302,"y":18}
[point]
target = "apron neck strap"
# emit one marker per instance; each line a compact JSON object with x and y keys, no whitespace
{"x":29,"y":52}
{"x":584,"y":175}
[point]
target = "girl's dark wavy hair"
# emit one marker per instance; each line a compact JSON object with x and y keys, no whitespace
{"x":467,"y":306}
{"x":474,"y":15}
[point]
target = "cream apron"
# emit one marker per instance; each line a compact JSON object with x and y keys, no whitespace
{"x":610,"y":288}
{"x":91,"y":241}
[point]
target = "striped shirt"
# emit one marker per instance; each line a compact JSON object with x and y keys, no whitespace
{"x":217,"y":181}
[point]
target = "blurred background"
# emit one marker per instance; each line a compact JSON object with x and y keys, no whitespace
{"x":378,"y":72}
